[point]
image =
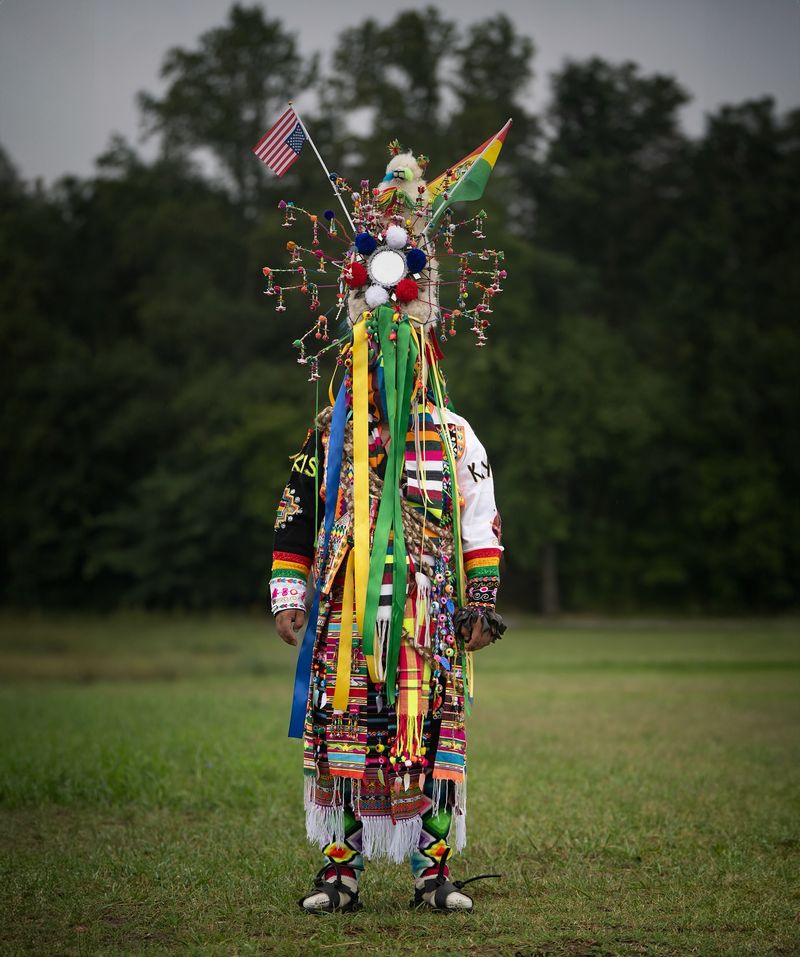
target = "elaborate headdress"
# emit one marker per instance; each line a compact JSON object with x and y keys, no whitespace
{"x":401,"y":228}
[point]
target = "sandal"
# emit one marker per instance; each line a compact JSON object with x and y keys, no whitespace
{"x":334,"y":890}
{"x":440,"y":887}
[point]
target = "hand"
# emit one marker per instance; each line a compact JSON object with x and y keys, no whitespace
{"x":479,"y":637}
{"x":289,"y":621}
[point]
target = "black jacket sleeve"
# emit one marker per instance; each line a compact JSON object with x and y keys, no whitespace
{"x":300,"y":512}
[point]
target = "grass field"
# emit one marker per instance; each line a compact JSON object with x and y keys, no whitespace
{"x":638,"y":786}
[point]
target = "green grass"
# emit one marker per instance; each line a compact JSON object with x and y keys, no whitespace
{"x":636,"y":784}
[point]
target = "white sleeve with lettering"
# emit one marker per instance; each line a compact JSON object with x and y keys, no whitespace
{"x":480,"y":522}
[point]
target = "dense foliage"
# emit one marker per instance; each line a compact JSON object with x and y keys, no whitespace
{"x":637,"y":397}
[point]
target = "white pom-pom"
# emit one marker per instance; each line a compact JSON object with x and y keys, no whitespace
{"x":376,"y":296}
{"x":396,"y":237}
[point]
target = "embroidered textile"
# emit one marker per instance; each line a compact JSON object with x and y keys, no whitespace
{"x":288,"y":507}
{"x":483,"y":577}
{"x":287,"y":593}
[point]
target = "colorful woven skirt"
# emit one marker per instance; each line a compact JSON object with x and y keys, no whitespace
{"x":354,"y":758}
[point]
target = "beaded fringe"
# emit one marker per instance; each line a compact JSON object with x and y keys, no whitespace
{"x":381,"y":837}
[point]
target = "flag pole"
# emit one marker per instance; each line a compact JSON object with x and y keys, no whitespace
{"x":336,"y":192}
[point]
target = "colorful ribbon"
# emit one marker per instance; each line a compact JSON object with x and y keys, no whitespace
{"x":399,"y":360}
{"x":344,"y":656}
{"x":361,"y":467}
{"x":333,"y":469}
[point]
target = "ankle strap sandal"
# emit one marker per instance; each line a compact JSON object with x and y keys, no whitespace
{"x":334,"y":890}
{"x":435,"y":890}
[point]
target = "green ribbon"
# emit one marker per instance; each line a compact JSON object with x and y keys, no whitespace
{"x":399,"y":355}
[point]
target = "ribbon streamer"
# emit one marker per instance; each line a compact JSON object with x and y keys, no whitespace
{"x":399,"y":359}
{"x":333,"y":468}
{"x":406,"y":373}
{"x":344,"y":657}
{"x":361,"y":468}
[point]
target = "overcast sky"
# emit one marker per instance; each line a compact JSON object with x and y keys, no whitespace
{"x":69,"y":69}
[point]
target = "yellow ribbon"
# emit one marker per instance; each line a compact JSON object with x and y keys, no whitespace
{"x":344,"y":655}
{"x":361,"y":467}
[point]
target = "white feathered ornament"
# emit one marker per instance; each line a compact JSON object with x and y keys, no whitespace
{"x":398,"y":200}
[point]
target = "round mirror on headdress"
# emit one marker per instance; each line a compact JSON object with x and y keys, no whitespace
{"x":386,"y":267}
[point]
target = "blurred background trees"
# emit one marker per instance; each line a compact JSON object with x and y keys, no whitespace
{"x":639,"y":397}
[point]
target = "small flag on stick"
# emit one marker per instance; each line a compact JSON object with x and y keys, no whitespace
{"x":469,"y":176}
{"x":280,"y":146}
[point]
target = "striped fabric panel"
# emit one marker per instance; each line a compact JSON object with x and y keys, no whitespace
{"x":385,"y":597}
{"x":375,"y":449}
{"x":430,"y":483}
{"x":482,"y":568}
{"x":482,"y":561}
{"x":448,"y":761}
{"x":451,"y":757}
{"x":290,"y":565}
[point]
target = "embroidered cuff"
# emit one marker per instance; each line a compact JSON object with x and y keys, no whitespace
{"x":287,"y":593}
{"x":288,"y":581}
{"x":482,"y":568}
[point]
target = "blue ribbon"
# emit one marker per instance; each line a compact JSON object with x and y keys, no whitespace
{"x":382,"y":389}
{"x":333,"y":470}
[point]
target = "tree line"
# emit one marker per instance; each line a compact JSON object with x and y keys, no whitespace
{"x":638,"y":397}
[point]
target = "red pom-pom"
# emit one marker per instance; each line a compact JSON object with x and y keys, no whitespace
{"x":406,"y":290}
{"x":355,"y":275}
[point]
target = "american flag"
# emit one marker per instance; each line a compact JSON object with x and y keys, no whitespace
{"x":280,"y":146}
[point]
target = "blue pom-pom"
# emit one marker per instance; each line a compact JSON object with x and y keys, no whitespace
{"x":416,"y":260}
{"x":328,"y":214}
{"x":365,"y":243}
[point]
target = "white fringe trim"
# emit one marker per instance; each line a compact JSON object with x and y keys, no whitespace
{"x":396,"y":842}
{"x":323,"y":824}
{"x":422,"y":630}
{"x":460,"y":823}
{"x":381,"y":837}
{"x":436,"y":797}
{"x":457,"y":835}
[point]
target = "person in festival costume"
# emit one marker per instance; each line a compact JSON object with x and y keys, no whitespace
{"x":390,"y":508}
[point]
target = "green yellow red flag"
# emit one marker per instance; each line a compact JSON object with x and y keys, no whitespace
{"x":468,"y":178}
